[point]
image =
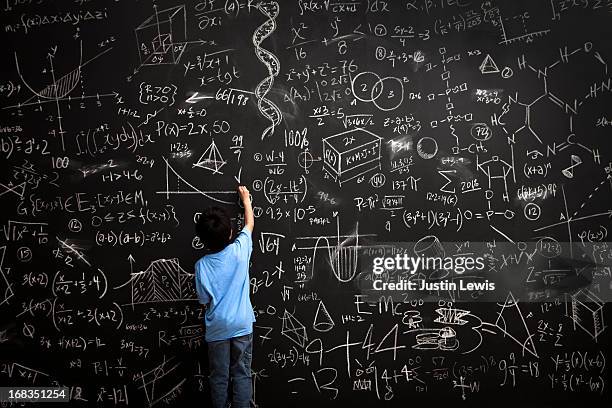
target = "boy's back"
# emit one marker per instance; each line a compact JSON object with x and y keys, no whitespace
{"x":222,"y":281}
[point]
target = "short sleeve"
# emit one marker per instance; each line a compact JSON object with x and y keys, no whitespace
{"x":244,"y":243}
{"x":203,"y":296}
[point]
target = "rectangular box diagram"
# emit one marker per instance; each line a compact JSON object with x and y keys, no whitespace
{"x":587,"y":312}
{"x":350,"y":154}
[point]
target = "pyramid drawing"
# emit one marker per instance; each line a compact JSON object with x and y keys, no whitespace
{"x":163,"y":281}
{"x":211,"y":159}
{"x":323,"y":322}
{"x":521,"y":335}
{"x":294,"y":330}
{"x":488,"y":66}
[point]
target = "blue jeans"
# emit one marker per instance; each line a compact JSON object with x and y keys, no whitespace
{"x":231,"y":358}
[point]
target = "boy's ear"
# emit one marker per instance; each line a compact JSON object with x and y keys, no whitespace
{"x":231,"y":234}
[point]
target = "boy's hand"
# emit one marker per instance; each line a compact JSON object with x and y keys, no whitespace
{"x":244,"y":193}
{"x":249,"y":219}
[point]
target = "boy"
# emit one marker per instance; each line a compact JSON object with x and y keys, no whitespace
{"x":222,"y":283}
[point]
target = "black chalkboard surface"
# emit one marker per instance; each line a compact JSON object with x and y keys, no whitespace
{"x":365,"y":129}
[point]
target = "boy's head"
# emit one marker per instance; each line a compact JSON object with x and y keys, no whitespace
{"x":214,"y":227}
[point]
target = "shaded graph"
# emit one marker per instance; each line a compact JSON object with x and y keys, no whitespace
{"x":164,"y":280}
{"x":177,"y":184}
{"x":342,"y":257}
{"x":60,"y":87}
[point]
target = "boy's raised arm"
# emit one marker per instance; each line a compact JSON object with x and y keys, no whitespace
{"x":249,"y":219}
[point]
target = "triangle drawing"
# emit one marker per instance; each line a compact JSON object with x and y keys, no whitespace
{"x":323,"y":321}
{"x":488,"y":66}
{"x":211,"y":159}
{"x":507,"y":316}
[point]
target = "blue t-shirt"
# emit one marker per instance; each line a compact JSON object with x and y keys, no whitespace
{"x":222,"y":282}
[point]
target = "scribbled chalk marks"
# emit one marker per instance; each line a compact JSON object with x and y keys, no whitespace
{"x":437,"y":339}
{"x":451,"y":316}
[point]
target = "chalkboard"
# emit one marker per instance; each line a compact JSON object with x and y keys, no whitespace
{"x":364,"y":130}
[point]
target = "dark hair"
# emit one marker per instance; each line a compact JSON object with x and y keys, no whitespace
{"x":214,"y":227}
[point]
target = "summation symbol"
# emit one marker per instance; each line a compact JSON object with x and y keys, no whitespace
{"x":211,"y":159}
{"x":293,"y":329}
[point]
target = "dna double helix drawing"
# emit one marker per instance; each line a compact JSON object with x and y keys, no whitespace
{"x":266,"y":107}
